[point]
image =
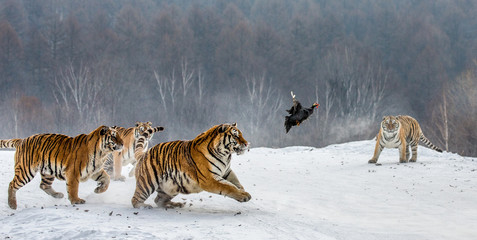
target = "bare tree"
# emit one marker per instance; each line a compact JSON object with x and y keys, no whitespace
{"x":264,"y":101}
{"x":351,"y":90}
{"x":186,"y":76}
{"x":462,"y":111}
{"x":79,"y":92}
{"x":200,"y":86}
{"x":162,"y":89}
{"x":440,"y":128}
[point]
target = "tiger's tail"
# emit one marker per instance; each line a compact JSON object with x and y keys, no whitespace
{"x":10,"y":143}
{"x":156,"y":129}
{"x":139,"y":146}
{"x":428,"y":143}
{"x":141,"y":142}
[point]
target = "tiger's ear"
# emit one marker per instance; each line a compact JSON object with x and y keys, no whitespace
{"x":222,"y":128}
{"x":384,"y":117}
{"x":103,"y":130}
{"x":149,"y":123}
{"x":234,"y":124}
{"x":137,"y":124}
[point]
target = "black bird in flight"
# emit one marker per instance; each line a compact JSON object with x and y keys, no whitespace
{"x":298,"y":114}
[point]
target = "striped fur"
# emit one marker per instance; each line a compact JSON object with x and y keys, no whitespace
{"x":400,"y":132}
{"x":73,"y":159}
{"x":118,"y":159}
{"x":201,"y":164}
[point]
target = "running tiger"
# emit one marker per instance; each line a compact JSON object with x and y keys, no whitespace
{"x":73,"y":159}
{"x":400,"y":132}
{"x":189,"y":167}
{"x":118,"y":159}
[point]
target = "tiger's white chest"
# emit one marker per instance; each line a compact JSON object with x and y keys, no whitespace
{"x":390,"y":140}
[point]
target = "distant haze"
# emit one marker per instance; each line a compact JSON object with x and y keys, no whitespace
{"x":68,"y":66}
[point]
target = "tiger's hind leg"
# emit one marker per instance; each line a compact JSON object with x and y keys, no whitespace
{"x":414,"y":152}
{"x":407,"y":152}
{"x":164,"y":200}
{"x":45,"y":185}
{"x":20,"y":179}
{"x":140,"y":196}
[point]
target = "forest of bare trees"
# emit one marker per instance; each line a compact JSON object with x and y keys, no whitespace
{"x":68,"y":66}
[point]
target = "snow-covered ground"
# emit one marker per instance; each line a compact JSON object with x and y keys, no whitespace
{"x":297,"y":193}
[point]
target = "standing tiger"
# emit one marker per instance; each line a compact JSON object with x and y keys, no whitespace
{"x":118,"y":159}
{"x":191,"y":166}
{"x":400,"y":132}
{"x":73,"y":159}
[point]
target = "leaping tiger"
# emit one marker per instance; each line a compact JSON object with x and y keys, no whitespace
{"x":201,"y":164}
{"x":73,"y":159}
{"x":118,"y":159}
{"x":400,"y":132}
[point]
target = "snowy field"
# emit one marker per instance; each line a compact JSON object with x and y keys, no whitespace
{"x":297,"y":193}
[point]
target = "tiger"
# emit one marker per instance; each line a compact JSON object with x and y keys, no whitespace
{"x":117,"y":159}
{"x":400,"y":132}
{"x":72,"y":159}
{"x":190,"y":166}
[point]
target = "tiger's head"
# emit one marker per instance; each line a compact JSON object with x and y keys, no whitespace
{"x":110,"y":139}
{"x":390,"y":124}
{"x":231,"y":138}
{"x":145,"y":129}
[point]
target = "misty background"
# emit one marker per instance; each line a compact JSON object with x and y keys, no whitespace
{"x":69,"y":66}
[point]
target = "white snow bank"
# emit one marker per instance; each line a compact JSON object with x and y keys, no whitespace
{"x":297,"y":193}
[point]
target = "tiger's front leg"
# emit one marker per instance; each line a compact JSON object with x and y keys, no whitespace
{"x":223,"y":187}
{"x":231,"y":177}
{"x":377,"y":150}
{"x":118,"y":166}
{"x":103,"y":181}
{"x":72,"y":184}
{"x":402,"y":151}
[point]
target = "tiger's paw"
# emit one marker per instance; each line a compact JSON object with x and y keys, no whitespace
{"x":77,"y":201}
{"x":402,"y":160}
{"x":120,"y":178}
{"x":142,"y":206}
{"x":57,"y":195}
{"x":170,"y":204}
{"x":373,"y":161}
{"x":12,"y":204}
{"x":243,"y":196}
{"x":102,"y":187}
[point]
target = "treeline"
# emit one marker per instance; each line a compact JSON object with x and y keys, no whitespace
{"x":67,"y":66}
